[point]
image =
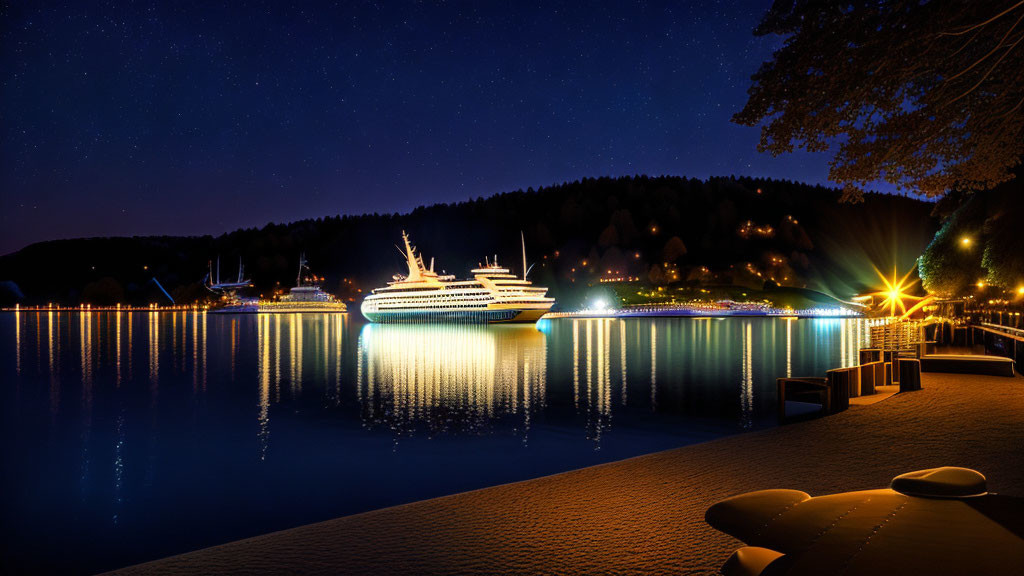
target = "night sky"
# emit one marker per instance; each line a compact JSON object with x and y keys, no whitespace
{"x":141,"y":118}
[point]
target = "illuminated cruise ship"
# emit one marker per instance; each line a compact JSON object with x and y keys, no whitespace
{"x":494,"y":294}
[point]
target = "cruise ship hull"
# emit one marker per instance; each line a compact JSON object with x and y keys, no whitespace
{"x":491,"y":316}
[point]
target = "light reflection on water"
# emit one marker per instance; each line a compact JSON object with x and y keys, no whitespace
{"x":449,"y":378}
{"x":239,"y":425}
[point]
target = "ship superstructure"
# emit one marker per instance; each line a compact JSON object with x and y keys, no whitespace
{"x":305,"y":296}
{"x":492,"y":295}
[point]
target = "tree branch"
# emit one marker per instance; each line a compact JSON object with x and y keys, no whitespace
{"x":1005,"y":54}
{"x":1012,"y":110}
{"x":991,"y":52}
{"x":990,"y":20}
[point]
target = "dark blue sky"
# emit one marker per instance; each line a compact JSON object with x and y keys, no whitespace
{"x":178,"y":118}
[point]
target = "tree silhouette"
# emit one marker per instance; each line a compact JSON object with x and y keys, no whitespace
{"x":925,"y":95}
{"x":688,"y":224}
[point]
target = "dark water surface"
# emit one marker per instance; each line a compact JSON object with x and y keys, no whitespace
{"x":132,"y":436}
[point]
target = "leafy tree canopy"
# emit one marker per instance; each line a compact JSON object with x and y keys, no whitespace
{"x":927,"y":95}
{"x":980,"y":241}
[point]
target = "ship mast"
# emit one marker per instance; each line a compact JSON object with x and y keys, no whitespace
{"x":415,"y":265}
{"x":523,"y":238}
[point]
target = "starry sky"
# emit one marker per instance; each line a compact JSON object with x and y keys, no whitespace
{"x":133,"y":118}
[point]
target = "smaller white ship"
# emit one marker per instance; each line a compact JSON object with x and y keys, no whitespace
{"x":305,"y":296}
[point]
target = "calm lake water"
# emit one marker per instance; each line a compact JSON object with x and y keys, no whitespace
{"x":132,"y":436}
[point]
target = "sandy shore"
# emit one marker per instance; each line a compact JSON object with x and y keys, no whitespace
{"x":645,"y":515}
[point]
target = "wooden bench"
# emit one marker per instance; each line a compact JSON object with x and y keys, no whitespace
{"x":810,"y":389}
{"x":968,"y":364}
{"x":832,"y":392}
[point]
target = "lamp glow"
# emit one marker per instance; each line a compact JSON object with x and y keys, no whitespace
{"x":895,"y":292}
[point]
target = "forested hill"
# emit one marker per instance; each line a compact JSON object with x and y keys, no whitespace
{"x":663,"y":230}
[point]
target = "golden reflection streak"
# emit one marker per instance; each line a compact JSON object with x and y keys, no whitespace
{"x":195,"y":351}
{"x":339,"y":324}
{"x":526,"y":399}
{"x":589,"y":325}
{"x":97,"y":340}
{"x":295,"y":352}
{"x":445,"y":375}
{"x":789,"y":347}
{"x":292,"y":345}
{"x":85,"y":341}
{"x":154,"y":353}
{"x":234,"y":346}
{"x":541,"y":375}
{"x":622,"y":356}
{"x":184,"y":341}
{"x":17,"y":341}
{"x":607,"y":372}
{"x":576,"y":363}
{"x":277,"y":357}
{"x":39,"y":344}
{"x":747,"y":385}
{"x":654,"y":365}
{"x":263,"y":359}
{"x":601,"y":357}
{"x":174,"y":338}
{"x":54,"y":348}
{"x":204,"y":346}
{"x":324,"y":352}
{"x":842,"y":344}
{"x":117,"y":348}
{"x":49,"y":338}
{"x":598,"y":394}
{"x":129,"y":320}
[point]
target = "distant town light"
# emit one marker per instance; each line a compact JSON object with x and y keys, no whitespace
{"x":966,"y":241}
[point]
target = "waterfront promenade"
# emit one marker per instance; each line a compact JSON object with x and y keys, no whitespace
{"x":645,"y":515}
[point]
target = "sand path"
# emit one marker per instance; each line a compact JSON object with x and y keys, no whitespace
{"x":645,"y":515}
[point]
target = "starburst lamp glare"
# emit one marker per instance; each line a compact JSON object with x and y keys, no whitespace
{"x":896,"y":295}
